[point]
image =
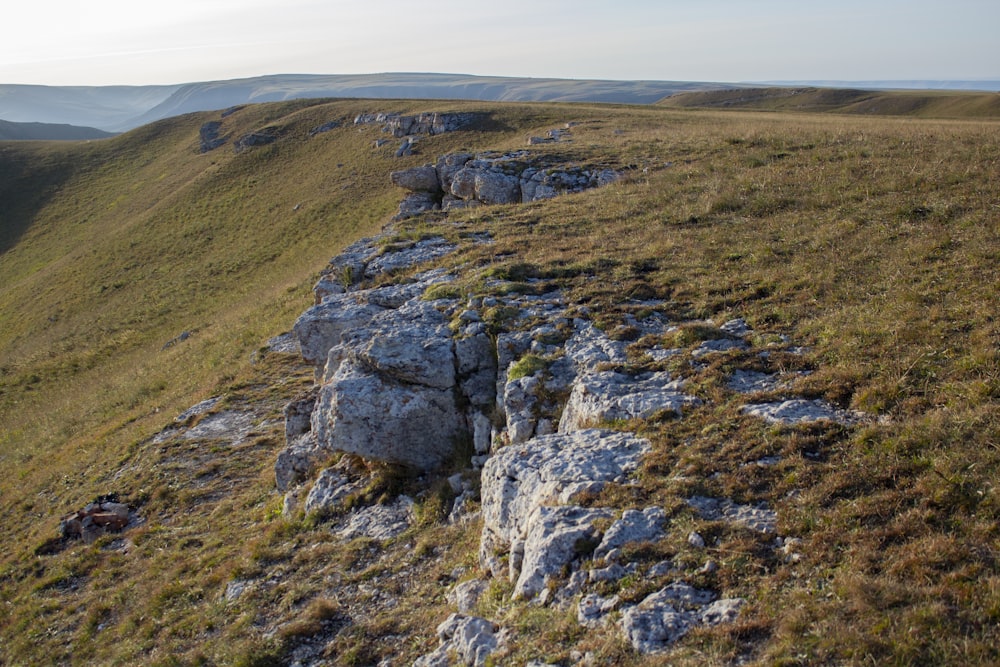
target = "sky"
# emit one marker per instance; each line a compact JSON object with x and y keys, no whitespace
{"x":110,"y":42}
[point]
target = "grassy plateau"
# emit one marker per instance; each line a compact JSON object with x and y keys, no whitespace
{"x":874,"y":242}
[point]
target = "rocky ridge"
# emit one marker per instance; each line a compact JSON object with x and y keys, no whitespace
{"x":519,"y":386}
{"x":532,"y":405}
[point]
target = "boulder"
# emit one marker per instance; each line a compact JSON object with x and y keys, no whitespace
{"x":379,"y":522}
{"x":410,"y":344}
{"x":495,"y":187}
{"x":417,"y":179}
{"x":319,"y":329}
{"x":556,"y":537}
{"x":547,"y":470}
{"x":297,"y":460}
{"x":468,"y":639}
{"x":383,"y":419}
{"x":448,"y":165}
{"x":415,"y":203}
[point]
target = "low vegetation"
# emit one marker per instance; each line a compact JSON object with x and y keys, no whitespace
{"x":872,"y":242}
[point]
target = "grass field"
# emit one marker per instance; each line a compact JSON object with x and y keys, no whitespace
{"x":871,"y":241}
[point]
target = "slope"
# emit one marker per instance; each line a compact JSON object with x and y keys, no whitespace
{"x":48,"y":132}
{"x":921,"y":104}
{"x":869,"y":242}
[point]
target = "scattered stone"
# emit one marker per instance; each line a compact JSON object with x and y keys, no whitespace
{"x":209,"y":136}
{"x":722,"y":611}
{"x":757,"y":518}
{"x":259,"y":138}
{"x":802,"y":411}
{"x":379,"y":522}
{"x":749,"y":382}
{"x":465,"y":596}
{"x":633,"y":527}
{"x":329,"y":489}
{"x":593,"y":610}
{"x":325,"y":127}
{"x":667,"y":615}
{"x":97,"y":518}
{"x":180,"y":338}
{"x":469,"y":639}
{"x":235,"y":589}
{"x":610,"y":396}
{"x":718,"y":345}
{"x":518,"y":479}
{"x":696,"y":540}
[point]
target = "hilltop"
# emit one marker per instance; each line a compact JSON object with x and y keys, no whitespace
{"x":729,"y":396}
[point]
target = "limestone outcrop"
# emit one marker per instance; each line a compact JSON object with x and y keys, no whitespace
{"x":525,"y":389}
{"x":402,"y":125}
{"x":461,"y":180}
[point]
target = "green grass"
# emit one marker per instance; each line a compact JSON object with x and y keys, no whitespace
{"x":872,"y":241}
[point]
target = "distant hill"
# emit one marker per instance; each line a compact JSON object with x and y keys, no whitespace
{"x":120,"y":108}
{"x":48,"y":131}
{"x":927,"y":104}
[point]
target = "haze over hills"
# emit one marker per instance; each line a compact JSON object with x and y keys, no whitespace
{"x":120,"y":108}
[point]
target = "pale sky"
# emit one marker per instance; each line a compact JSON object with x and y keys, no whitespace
{"x":105,"y":42}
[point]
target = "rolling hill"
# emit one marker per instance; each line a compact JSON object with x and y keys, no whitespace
{"x":118,"y":108}
{"x":923,"y":104}
{"x":850,"y":261}
{"x":48,"y":132}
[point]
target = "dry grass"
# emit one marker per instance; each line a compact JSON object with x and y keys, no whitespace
{"x":873,"y":242}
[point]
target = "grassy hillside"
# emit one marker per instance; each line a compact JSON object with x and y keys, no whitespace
{"x":921,"y":104}
{"x":872,"y":241}
{"x":48,"y":131}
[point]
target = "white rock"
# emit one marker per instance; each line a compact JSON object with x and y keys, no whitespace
{"x":633,"y":526}
{"x":554,"y":540}
{"x":593,"y":610}
{"x":696,"y":540}
{"x":380,"y":522}
{"x":755,"y":518}
{"x":465,"y":596}
{"x":722,"y":611}
{"x":328,"y":490}
{"x":376,"y":418}
{"x":608,"y":396}
{"x":550,"y":469}
{"x":470,"y":639}
{"x":801,"y":411}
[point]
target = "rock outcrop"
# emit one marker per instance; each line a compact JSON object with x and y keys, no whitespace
{"x":526,"y":388}
{"x":461,"y":180}
{"x":402,"y":125}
